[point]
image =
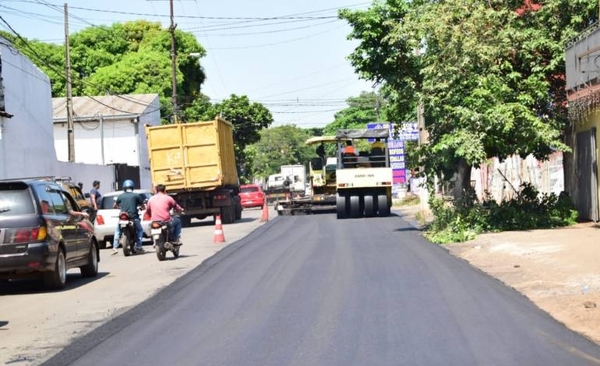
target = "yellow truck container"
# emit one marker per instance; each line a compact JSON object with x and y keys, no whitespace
{"x":196,"y":162}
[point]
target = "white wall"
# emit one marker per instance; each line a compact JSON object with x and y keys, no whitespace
{"x":27,"y":139}
{"x":111,"y":140}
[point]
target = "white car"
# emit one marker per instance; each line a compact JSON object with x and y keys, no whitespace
{"x":107,"y":218}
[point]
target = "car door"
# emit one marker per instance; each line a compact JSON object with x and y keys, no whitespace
{"x":66,"y":224}
{"x":85,"y":228}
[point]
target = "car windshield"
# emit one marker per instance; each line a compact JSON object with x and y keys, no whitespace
{"x":15,"y":199}
{"x":249,"y":189}
{"x":109,"y":201}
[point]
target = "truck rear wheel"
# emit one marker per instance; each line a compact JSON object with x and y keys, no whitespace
{"x":383,"y":205}
{"x":355,"y":207}
{"x":341,"y":206}
{"x":185,"y":221}
{"x":369,"y":206}
{"x":227,"y":215}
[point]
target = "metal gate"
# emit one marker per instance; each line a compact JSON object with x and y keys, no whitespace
{"x":587,"y":175}
{"x":124,"y":171}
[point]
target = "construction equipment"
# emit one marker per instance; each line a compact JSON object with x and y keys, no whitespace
{"x":320,"y":192}
{"x":363,"y":181}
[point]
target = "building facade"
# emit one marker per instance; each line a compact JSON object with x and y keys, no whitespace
{"x":109,"y":130}
{"x":583,"y":91}
{"x":26,"y":128}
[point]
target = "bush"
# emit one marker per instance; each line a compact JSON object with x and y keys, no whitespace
{"x":463,"y":219}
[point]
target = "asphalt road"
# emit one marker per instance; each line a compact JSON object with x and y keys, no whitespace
{"x":312,"y":290}
{"x":35,"y":324}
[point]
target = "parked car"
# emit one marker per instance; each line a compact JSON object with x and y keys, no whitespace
{"x":107,"y":217}
{"x":41,"y":235}
{"x":252,"y":195}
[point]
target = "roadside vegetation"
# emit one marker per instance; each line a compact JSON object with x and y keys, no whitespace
{"x":464,"y":218}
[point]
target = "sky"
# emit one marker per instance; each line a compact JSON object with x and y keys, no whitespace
{"x":290,"y":56}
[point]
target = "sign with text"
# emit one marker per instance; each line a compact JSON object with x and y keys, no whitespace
{"x":408,"y":132}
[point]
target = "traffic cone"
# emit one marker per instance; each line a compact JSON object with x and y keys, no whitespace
{"x":219,"y":237}
{"x":265,"y":212}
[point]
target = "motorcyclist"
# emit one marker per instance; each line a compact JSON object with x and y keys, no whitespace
{"x":159,"y":207}
{"x":129,"y":202}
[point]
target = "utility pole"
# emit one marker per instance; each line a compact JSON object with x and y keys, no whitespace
{"x":173,"y":67}
{"x":70,"y":134}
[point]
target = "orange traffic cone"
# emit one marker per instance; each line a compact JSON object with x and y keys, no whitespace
{"x":265,"y":212}
{"x":219,"y":237}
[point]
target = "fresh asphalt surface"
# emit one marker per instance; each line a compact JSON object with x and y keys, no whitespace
{"x":313,"y":290}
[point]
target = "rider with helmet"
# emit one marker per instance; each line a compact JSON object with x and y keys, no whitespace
{"x":129,"y":202}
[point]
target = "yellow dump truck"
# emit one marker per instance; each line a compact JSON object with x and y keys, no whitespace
{"x":196,"y":162}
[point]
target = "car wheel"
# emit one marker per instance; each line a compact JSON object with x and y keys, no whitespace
{"x":57,"y":278}
{"x":91,"y":268}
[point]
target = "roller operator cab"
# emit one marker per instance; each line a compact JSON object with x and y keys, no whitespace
{"x":363,"y":174}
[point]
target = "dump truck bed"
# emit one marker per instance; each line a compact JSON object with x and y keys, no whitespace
{"x":188,"y":156}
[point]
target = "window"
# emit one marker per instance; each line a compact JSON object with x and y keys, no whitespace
{"x":249,"y":189}
{"x":57,"y":201}
{"x":15,"y":199}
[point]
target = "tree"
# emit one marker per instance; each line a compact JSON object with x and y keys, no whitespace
{"x":248,"y":119}
{"x":361,"y":110}
{"x":485,"y":73}
{"x":282,"y":145}
{"x":132,"y":57}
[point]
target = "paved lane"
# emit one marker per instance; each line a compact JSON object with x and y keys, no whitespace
{"x":312,"y":290}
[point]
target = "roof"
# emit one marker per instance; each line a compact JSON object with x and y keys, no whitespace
{"x":105,"y":105}
{"x":317,"y":139}
{"x":363,"y":134}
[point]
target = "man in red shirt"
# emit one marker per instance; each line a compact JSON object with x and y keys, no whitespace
{"x":159,"y":207}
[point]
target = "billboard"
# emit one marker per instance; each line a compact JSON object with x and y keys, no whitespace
{"x":408,"y":132}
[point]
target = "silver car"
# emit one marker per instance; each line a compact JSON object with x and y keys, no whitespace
{"x":107,"y":218}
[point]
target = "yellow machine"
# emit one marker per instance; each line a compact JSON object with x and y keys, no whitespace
{"x":321,"y":190}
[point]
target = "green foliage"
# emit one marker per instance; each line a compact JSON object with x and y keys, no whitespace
{"x":361,"y":110}
{"x":248,"y":119}
{"x":127,"y":58}
{"x":282,"y":145}
{"x":489,"y":74}
{"x":464,"y":218}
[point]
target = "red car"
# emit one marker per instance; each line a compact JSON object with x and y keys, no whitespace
{"x":252,"y":195}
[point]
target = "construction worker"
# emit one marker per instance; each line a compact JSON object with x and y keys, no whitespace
{"x":349,"y":148}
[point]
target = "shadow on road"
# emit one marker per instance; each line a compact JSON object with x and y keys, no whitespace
{"x":30,"y":286}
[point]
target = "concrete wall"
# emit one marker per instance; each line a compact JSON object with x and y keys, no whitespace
{"x":503,"y":179}
{"x":111,"y":140}
{"x":27,"y":138}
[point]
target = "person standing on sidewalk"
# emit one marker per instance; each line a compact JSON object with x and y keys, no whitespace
{"x":129,"y":202}
{"x":95,"y":198}
{"x":159,"y":207}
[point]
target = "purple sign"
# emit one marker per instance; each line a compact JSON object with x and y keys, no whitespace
{"x":409,"y":131}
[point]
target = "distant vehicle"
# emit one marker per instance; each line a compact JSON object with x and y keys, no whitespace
{"x":107,"y":218}
{"x":252,"y":195}
{"x":39,"y":234}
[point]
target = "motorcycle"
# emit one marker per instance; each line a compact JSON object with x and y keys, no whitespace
{"x":161,"y":236}
{"x":128,"y":234}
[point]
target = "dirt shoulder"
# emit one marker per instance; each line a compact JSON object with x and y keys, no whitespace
{"x":557,"y":269}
